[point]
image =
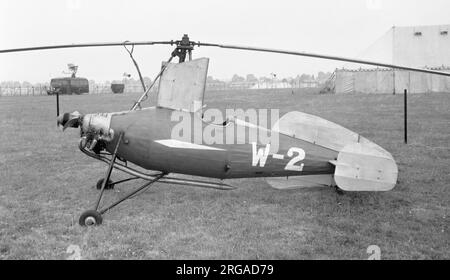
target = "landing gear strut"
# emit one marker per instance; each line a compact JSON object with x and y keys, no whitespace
{"x":94,"y":217}
{"x":111,"y":183}
{"x":108,"y":186}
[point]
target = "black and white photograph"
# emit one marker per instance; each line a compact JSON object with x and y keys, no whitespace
{"x":222,"y":130}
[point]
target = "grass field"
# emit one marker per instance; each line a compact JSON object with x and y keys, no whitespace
{"x":45,"y":183}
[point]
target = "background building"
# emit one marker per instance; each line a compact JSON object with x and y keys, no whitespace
{"x":414,"y":46}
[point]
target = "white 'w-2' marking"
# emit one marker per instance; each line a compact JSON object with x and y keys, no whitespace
{"x":300,"y":156}
{"x":260,"y":157}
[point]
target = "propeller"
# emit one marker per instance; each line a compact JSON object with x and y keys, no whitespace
{"x":74,"y":119}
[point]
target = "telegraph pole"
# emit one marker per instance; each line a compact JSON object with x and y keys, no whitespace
{"x":406,"y":115}
{"x":393,"y":78}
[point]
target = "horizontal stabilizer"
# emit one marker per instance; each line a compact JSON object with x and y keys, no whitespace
{"x":364,"y":167}
{"x":300,"y":182}
{"x":315,"y":130}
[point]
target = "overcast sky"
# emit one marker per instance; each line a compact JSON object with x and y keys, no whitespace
{"x":338,"y":27}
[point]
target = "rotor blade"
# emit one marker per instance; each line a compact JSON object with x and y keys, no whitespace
{"x":330,"y":57}
{"x":126,"y":43}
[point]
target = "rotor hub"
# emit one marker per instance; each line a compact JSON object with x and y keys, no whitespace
{"x":184,"y":46}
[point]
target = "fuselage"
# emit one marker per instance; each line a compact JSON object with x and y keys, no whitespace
{"x":152,"y":140}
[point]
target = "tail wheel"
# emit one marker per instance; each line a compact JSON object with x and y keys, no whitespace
{"x":339,"y":191}
{"x":90,"y":218}
{"x":109,"y":185}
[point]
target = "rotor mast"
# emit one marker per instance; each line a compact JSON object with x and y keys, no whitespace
{"x":184,"y":46}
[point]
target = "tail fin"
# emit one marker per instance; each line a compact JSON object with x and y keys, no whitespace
{"x":363,"y":167}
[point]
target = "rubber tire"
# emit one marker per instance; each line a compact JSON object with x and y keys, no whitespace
{"x":93,"y":214}
{"x":108,"y":186}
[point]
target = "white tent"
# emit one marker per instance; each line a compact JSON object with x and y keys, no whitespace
{"x":413,"y":46}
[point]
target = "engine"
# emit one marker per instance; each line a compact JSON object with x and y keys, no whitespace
{"x":95,"y":129}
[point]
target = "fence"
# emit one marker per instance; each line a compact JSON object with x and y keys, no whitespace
{"x":263,"y":85}
{"x":132,"y":88}
{"x":42,"y":90}
{"x":22,"y":91}
{"x":382,"y":81}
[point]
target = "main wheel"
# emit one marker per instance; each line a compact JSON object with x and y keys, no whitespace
{"x":90,"y":218}
{"x":109,"y":185}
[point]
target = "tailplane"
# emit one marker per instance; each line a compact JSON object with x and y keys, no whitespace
{"x":361,"y":165}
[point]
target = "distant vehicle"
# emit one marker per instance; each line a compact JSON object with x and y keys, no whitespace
{"x":117,"y":87}
{"x":69,"y":85}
